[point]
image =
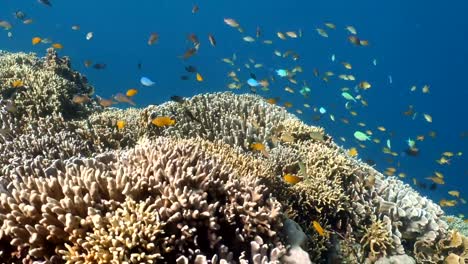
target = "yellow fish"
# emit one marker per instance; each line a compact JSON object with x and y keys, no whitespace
{"x":162,"y":121}
{"x":257,"y":146}
{"x":17,"y":83}
{"x":352,"y":152}
{"x":199,"y":77}
{"x":365,"y":85}
{"x":454,"y":193}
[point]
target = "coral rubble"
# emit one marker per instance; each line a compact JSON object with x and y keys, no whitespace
{"x":75,"y":188}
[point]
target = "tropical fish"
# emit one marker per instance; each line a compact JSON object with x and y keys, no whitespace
{"x":19,"y":15}
{"x":89,"y":35}
{"x":322,"y":32}
{"x":178,"y":99}
{"x":189,"y":53}
{"x":36,"y":40}
{"x":121,"y":98}
{"x":257,"y":146}
{"x":351,"y":30}
{"x":348,"y":96}
{"x":99,"y":66}
{"x":105,"y":102}
{"x":291,"y":34}
{"x":153,"y":38}
{"x":199,"y":77}
{"x":281,"y":35}
{"x":231,"y":22}
{"x":120,"y":124}
{"x":354,"y":40}
{"x":291,"y":179}
{"x":212,"y":40}
{"x":57,"y":46}
{"x":195,"y":9}
{"x":428,"y":118}
{"x":361,"y":136}
{"x":80,"y":99}
{"x":131,"y":92}
{"x":365,"y":85}
{"x":146,"y":81}
{"x":454,"y":193}
{"x":282,"y":73}
{"x":252,"y":82}
{"x":352,"y":152}
{"x":318,"y":228}
{"x":17,"y":84}
{"x":5,"y":24}
{"x":45,"y":2}
{"x":162,"y":121}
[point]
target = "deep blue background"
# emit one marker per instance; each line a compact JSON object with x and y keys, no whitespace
{"x":416,"y":42}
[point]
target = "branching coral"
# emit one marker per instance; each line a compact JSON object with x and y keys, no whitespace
{"x":377,"y":239}
{"x":176,"y":199}
{"x":193,"y":192}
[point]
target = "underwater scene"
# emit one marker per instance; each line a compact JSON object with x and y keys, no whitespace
{"x":233,"y":131}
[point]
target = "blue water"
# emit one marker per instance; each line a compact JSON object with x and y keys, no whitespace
{"x":416,"y":42}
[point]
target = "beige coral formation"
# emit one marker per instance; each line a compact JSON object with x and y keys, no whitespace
{"x":74,"y":187}
{"x":161,"y":200}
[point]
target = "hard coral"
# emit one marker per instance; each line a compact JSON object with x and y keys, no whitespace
{"x":173,"y":195}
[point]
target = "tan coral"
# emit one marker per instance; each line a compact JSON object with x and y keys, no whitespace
{"x":202,"y":206}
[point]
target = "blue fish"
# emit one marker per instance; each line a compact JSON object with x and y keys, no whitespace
{"x":146,"y":81}
{"x":282,"y":73}
{"x":252,"y":82}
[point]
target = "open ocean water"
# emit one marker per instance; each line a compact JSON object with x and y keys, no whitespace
{"x":410,"y":44}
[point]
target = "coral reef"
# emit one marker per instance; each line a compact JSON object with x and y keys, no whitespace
{"x":76,"y":188}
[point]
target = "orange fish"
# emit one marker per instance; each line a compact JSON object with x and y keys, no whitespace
{"x":291,"y":179}
{"x":162,"y":121}
{"x":352,"y":152}
{"x":57,"y":46}
{"x":36,"y":40}
{"x":131,"y":92}
{"x":257,"y":146}
{"x":318,"y":228}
